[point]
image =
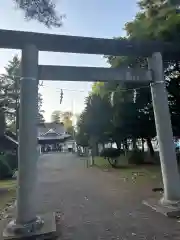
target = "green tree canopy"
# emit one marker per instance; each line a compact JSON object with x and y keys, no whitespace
{"x":131,"y":106}
{"x":56,"y":116}
{"x":43,"y":11}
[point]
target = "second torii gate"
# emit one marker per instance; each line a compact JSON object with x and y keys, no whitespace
{"x":26,"y":222}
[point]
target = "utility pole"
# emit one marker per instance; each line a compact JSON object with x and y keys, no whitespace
{"x":73,"y":131}
{"x":72,"y":107}
{"x":169,"y":166}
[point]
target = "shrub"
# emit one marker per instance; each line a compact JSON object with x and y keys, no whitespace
{"x":8,"y":164}
{"x":136,"y":157}
{"x":178,"y":157}
{"x":112,"y":155}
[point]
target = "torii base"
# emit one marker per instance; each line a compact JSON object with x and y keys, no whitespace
{"x":169,"y":210}
{"x":47,"y":230}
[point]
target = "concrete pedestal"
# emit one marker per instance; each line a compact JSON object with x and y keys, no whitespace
{"x":171,"y":210}
{"x":45,"y":225}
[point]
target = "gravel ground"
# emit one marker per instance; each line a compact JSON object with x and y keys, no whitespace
{"x":92,"y":204}
{"x":95,"y":204}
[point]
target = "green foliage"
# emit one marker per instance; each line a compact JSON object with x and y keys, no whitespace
{"x":10,"y":93}
{"x":136,"y":157}
{"x":55,"y":116}
{"x":2,"y":123}
{"x":97,"y":88}
{"x":10,"y":86}
{"x":159,"y":20}
{"x":64,"y":117}
{"x":8,"y":163}
{"x":40,"y":110}
{"x":43,"y":11}
{"x":110,"y":153}
{"x":81,"y":136}
{"x":95,"y":120}
{"x":118,"y":112}
{"x":82,"y":139}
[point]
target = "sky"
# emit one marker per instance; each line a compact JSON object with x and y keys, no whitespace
{"x":91,"y":18}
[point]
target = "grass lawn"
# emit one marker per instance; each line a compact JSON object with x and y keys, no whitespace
{"x":137,"y":174}
{"x":101,"y":162}
{"x":7,"y":192}
{"x":7,"y":184}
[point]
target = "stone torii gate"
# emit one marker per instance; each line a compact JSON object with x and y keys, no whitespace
{"x":26,"y":222}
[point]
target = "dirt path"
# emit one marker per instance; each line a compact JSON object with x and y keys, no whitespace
{"x":97,"y":205}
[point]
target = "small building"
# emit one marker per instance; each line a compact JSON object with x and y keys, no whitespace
{"x":52,"y":136}
{"x":69,"y":145}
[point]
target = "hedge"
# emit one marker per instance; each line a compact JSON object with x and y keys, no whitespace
{"x":8,"y":164}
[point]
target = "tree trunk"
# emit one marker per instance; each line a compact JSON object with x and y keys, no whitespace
{"x":2,"y":123}
{"x":103,"y":146}
{"x":94,"y":147}
{"x":142,"y":141}
{"x":150,"y":146}
{"x":17,"y":119}
{"x":118,"y":144}
{"x":126,"y":145}
{"x":134,"y":144}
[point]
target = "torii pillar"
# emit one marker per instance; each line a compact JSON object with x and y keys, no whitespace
{"x":170,"y":201}
{"x":26,"y":223}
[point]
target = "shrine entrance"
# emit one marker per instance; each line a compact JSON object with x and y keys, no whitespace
{"x":31,"y":43}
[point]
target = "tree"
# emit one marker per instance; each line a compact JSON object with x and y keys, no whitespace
{"x":82,"y":138}
{"x":116,"y":117}
{"x":40,"y":110}
{"x":10,"y":93}
{"x":132,"y":115}
{"x":56,"y":116}
{"x":66,"y":118}
{"x":131,"y":109}
{"x":156,"y":20}
{"x":94,"y":124}
{"x":11,"y":90}
{"x":159,"y":20}
{"x":43,"y":11}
